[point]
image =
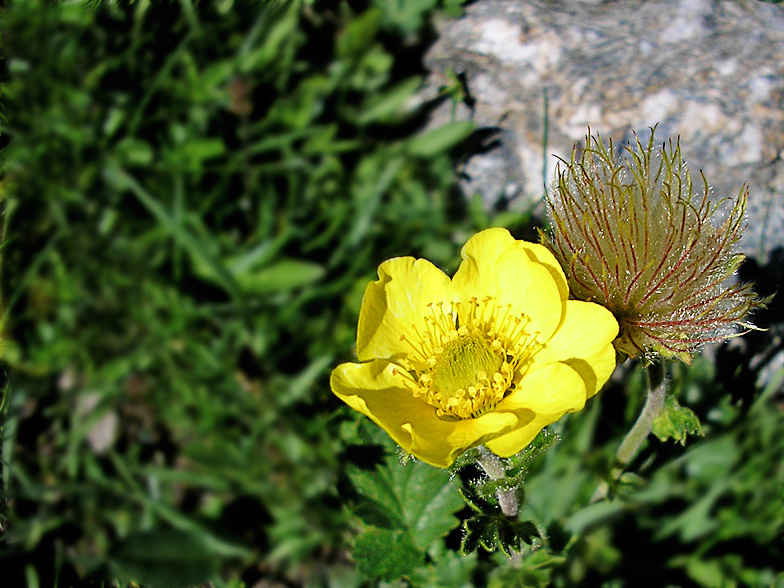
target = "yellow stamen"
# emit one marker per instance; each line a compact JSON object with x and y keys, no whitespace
{"x":465,"y":367}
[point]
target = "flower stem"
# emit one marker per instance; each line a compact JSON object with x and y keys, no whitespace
{"x":631,"y":444}
{"x":494,"y":468}
{"x":654,"y":403}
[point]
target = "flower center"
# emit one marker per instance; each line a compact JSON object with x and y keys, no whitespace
{"x":464,"y":362}
{"x":465,"y":370}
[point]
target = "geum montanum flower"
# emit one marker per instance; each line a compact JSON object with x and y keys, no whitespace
{"x":490,"y":356}
{"x":633,"y":236}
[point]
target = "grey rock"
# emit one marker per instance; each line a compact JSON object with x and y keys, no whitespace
{"x":709,"y":72}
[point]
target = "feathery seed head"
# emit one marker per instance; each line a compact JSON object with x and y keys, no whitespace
{"x":632,"y":235}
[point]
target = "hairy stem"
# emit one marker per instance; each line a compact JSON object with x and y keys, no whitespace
{"x":654,"y":403}
{"x":494,"y":468}
{"x":631,"y":444}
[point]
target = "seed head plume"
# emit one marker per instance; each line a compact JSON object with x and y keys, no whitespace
{"x":632,"y":234}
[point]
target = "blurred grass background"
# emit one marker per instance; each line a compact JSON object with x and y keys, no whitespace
{"x":195,"y":196}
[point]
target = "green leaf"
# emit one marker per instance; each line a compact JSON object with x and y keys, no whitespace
{"x":513,"y":533}
{"x":517,"y":465}
{"x":380,"y":505}
{"x":448,"y":569}
{"x":359,"y":34}
{"x":134,"y":152}
{"x":276,"y":27}
{"x":416,"y":497}
{"x":676,"y":422}
{"x":696,"y":521}
{"x":406,"y":15}
{"x":198,"y":150}
{"x":391,"y":105}
{"x":164,"y":558}
{"x":497,"y":531}
{"x":708,"y":573}
{"x":386,"y":554}
{"x":283,"y":275}
{"x":476,"y":533}
{"x":535,"y":571}
{"x":429,"y":503}
{"x":440,"y":140}
{"x":410,"y":507}
{"x":593,"y":514}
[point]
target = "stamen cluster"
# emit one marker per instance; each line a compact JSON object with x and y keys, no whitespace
{"x":465,"y":370}
{"x":632,"y":235}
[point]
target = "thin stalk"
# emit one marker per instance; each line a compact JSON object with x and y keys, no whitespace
{"x":631,"y":444}
{"x":654,"y":403}
{"x":494,"y":468}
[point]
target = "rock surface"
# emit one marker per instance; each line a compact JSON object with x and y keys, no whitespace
{"x":711,"y":72}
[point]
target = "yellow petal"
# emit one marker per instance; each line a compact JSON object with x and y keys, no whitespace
{"x":476,"y":275}
{"x":555,"y":388}
{"x":530,"y":288}
{"x":375,"y":390}
{"x":548,"y":393}
{"x":514,"y":442}
{"x":496,"y":265}
{"x":378,"y":390}
{"x":396,"y":305}
{"x":584,"y":341}
{"x":541,"y":254}
{"x":432,"y":445}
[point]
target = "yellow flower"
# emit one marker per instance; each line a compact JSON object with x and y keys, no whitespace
{"x":489,"y":357}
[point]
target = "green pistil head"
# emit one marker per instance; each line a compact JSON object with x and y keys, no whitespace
{"x":461,"y":364}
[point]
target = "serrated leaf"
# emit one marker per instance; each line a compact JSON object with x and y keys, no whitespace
{"x":386,"y":554}
{"x":477,"y":501}
{"x":513,"y":533}
{"x":497,"y":531}
{"x":430,"y":503}
{"x":379,"y":505}
{"x":476,"y":532}
{"x":508,"y":541}
{"x":527,"y":531}
{"x":676,"y":422}
{"x":447,"y":568}
{"x":416,"y":497}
